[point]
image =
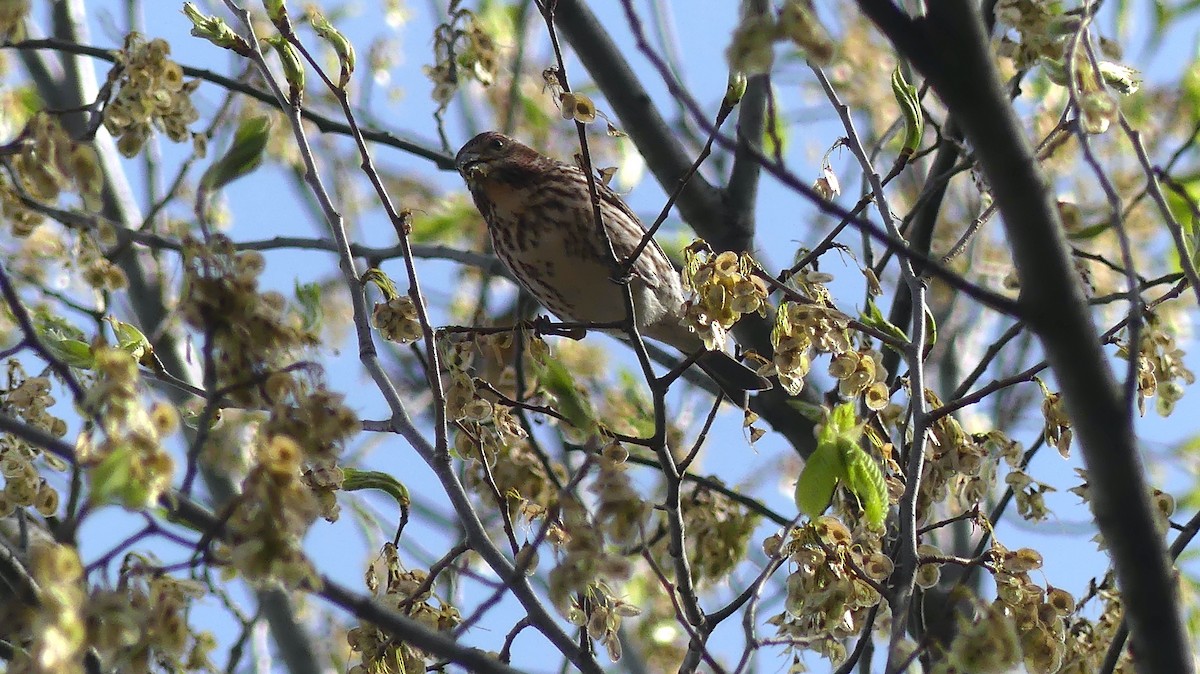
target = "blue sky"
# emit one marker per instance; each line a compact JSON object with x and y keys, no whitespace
{"x":265,"y":205}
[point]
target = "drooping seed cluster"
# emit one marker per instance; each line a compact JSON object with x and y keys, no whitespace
{"x":151,"y":93}
{"x":828,"y":593}
{"x":723,"y":288}
{"x":124,"y":452}
{"x":396,"y":320}
{"x":801,"y":329}
{"x":255,"y":339}
{"x":49,"y":165}
{"x":409,"y":593}
{"x":28,"y":399}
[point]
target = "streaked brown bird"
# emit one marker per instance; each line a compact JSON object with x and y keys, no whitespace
{"x":539,"y":214}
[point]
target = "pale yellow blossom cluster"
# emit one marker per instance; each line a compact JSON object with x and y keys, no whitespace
{"x":293,"y":480}
{"x":124,"y":454}
{"x":396,"y":320}
{"x":58,"y":626}
{"x":489,"y":435}
{"x":12,"y":19}
{"x":1057,"y":422}
{"x":409,"y":593}
{"x":723,"y":288}
{"x":961,"y":468}
{"x":270,"y":518}
{"x":858,"y":372}
{"x":589,"y":565}
{"x":801,"y":329}
{"x":49,"y":163}
{"x":151,"y":93}
{"x":141,"y":625}
{"x":600,"y":615}
{"x":1162,"y":370}
{"x":29,"y":399}
{"x":255,"y":338}
{"x":1040,"y":26}
{"x":1029,"y":494}
{"x":252,"y":333}
{"x":832,"y":587}
{"x":463,"y":50}
{"x":718,"y":533}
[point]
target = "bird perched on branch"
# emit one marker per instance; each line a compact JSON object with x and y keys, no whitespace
{"x":539,"y":214}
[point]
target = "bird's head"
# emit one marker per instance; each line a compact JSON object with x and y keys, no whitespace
{"x":490,"y":152}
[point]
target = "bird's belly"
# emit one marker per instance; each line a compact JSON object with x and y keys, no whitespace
{"x":574,"y":287}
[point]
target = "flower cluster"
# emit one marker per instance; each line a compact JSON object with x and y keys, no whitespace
{"x":959,"y":466}
{"x":49,"y":163}
{"x":59,"y":634}
{"x":621,"y":511}
{"x":293,"y":476}
{"x":124,"y":452}
{"x":801,"y":328}
{"x":397,"y":320}
{"x":1047,"y":33}
{"x":12,"y":19}
{"x":270,"y":517}
{"x":1058,"y":424}
{"x":319,"y":422}
{"x":858,"y":372}
{"x":1029,"y":495}
{"x":461,"y":46}
{"x":1038,"y":613}
{"x":1040,"y":26}
{"x":600,"y":613}
{"x":718,"y":533}
{"x":723,"y":288}
{"x":987,"y":645}
{"x":1161,"y":368}
{"x":752,"y":50}
{"x":252,"y":333}
{"x":1087,"y":641}
{"x":293,"y":480}
{"x":151,"y":93}
{"x":141,"y":625}
{"x":833,"y":586}
{"x":408,"y":592}
{"x":27,"y":398}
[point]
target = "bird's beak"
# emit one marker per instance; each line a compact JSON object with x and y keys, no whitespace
{"x":470,"y":166}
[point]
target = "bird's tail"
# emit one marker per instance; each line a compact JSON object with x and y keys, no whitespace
{"x":734,"y":378}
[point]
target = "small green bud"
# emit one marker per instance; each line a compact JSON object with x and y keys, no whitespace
{"x":278,"y":14}
{"x":215,"y":30}
{"x":735,"y":88}
{"x":341,"y":46}
{"x":910,"y":106}
{"x":293,"y":67}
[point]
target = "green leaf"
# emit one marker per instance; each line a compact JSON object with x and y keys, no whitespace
{"x":244,"y":155}
{"x":355,"y":480}
{"x":873,"y":317}
{"x":308,"y":296}
{"x":811,"y":411}
{"x":73,"y":352}
{"x":1090,"y":232}
{"x":572,"y":403}
{"x":838,"y":457}
{"x":910,"y":106}
{"x":113,"y":480}
{"x":864,"y":480}
{"x":814,"y":488}
{"x":385,"y":283}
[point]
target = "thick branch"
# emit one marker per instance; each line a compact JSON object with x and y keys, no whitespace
{"x":949,"y":47}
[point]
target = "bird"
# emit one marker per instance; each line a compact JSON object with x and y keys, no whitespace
{"x":540,"y":217}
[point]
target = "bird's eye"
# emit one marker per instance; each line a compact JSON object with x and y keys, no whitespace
{"x":497,"y":143}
